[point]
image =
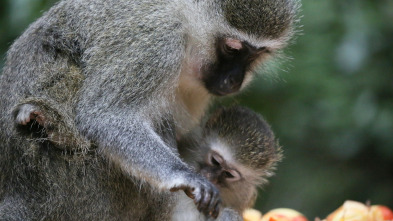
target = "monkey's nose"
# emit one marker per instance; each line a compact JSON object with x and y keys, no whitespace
{"x":232,"y":84}
{"x":229,"y":85}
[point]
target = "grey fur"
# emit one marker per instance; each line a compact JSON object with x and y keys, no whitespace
{"x":276,"y":16}
{"x":73,"y":177}
{"x":114,"y":71}
{"x":249,"y":136}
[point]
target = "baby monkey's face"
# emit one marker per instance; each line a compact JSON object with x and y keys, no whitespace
{"x":219,"y":169}
{"x":233,"y":179}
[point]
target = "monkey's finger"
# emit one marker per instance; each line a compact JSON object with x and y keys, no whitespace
{"x":197,"y":193}
{"x":200,"y":206}
{"x":214,"y":203}
{"x":177,"y":188}
{"x":205,"y":202}
{"x":189,"y":193}
{"x":216,"y":210}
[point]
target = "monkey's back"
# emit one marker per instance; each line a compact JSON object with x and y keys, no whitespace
{"x":78,"y":37}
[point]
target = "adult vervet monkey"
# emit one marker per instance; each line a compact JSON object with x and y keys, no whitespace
{"x":141,"y":64}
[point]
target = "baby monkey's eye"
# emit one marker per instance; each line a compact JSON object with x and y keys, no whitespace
{"x":215,"y":162}
{"x":228,"y":174}
{"x":231,"y":175}
{"x":215,"y":159}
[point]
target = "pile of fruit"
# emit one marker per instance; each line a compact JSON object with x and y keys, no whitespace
{"x":349,"y":211}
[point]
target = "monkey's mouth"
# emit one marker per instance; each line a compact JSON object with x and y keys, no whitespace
{"x":220,"y":93}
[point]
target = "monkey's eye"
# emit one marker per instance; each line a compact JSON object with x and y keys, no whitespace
{"x":231,"y":46}
{"x":215,"y":159}
{"x":228,"y":50}
{"x":228,"y":174}
{"x":215,"y":162}
{"x":231,"y":175}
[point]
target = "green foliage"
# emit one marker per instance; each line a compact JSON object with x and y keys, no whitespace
{"x":333,"y":111}
{"x":330,"y":105}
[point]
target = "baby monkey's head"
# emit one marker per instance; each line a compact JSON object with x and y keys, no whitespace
{"x":239,"y":153}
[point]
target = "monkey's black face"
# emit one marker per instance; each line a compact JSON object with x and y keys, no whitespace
{"x":234,"y":59}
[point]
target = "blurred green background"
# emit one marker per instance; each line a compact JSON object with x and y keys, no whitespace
{"x":330,"y":103}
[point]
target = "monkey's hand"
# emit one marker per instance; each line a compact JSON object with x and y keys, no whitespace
{"x":205,"y":195}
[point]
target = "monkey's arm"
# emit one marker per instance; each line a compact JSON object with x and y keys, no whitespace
{"x":131,"y":143}
{"x":131,"y":75}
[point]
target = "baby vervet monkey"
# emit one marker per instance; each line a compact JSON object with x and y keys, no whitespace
{"x":236,"y":150}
